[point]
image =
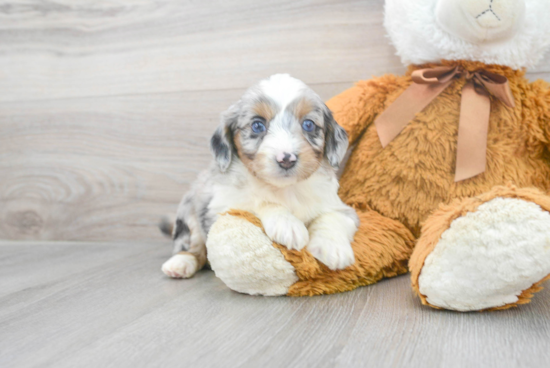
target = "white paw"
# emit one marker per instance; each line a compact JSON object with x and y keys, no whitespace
{"x":336,"y":253}
{"x":180,"y":266}
{"x":287,"y":230}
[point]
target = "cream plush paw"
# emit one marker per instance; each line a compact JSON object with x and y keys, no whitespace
{"x":244,"y":258}
{"x":180,"y":266}
{"x":487,"y":258}
{"x":286,"y":229}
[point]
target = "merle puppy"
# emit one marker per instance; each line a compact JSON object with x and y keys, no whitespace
{"x":276,"y":154}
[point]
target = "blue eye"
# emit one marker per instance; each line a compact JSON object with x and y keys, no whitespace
{"x":258,"y":126}
{"x":308,"y":125}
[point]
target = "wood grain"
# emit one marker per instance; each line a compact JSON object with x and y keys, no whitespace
{"x":83,"y":304}
{"x":106,"y":107}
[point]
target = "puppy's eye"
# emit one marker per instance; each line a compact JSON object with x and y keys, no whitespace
{"x":308,"y":125}
{"x":258,"y":126}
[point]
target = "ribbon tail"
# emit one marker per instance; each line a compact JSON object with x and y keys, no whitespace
{"x":472,"y":133}
{"x":413,"y":100}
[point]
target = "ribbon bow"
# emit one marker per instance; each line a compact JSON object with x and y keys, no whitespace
{"x":475,"y":108}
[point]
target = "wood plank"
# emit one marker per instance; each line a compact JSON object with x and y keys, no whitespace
{"x":120,"y":311}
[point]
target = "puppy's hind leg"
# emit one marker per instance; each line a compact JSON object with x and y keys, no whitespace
{"x":182,"y":264}
{"x":189,"y":245}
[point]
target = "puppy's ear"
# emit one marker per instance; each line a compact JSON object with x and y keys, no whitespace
{"x":221,"y":143}
{"x":336,"y":139}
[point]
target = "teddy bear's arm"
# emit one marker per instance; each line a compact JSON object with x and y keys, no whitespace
{"x":356,"y":108}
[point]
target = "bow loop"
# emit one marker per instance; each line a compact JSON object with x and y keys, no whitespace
{"x":474,"y":112}
{"x":438,"y":74}
{"x":497,"y":86}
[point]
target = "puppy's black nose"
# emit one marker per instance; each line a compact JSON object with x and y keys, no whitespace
{"x":286,"y":160}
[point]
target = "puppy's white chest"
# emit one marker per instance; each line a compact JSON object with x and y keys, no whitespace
{"x":307,"y":200}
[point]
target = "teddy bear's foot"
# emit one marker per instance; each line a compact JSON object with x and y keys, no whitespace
{"x":487,"y":252}
{"x":244,"y":258}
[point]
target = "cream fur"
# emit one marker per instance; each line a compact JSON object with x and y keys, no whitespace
{"x":243,"y":257}
{"x":419,"y":38}
{"x":488,"y":257}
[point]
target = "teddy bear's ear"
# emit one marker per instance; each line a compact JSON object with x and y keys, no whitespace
{"x":336,"y":139}
{"x":221,"y":143}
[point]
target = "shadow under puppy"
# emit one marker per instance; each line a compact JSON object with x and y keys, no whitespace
{"x":276,"y":154}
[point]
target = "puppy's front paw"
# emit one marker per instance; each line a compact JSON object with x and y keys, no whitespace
{"x":180,"y":266}
{"x":287,"y":230}
{"x":336,"y":254}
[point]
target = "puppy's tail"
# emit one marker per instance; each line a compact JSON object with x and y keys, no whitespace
{"x":166,"y":226}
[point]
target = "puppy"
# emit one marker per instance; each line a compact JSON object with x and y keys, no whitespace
{"x":276,"y":155}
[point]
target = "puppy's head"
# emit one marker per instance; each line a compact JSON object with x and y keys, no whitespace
{"x":282,"y":132}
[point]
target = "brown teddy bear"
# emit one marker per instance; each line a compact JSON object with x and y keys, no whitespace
{"x":450,"y":170}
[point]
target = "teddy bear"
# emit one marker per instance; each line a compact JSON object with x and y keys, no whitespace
{"x":449,"y":170}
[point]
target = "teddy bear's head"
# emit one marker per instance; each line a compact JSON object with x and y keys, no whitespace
{"x":515,"y":33}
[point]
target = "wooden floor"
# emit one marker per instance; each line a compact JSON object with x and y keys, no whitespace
{"x":108,"y":305}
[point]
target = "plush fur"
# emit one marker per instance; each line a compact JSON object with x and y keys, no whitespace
{"x":405,"y":194}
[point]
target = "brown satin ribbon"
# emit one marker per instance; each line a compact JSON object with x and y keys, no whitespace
{"x":475,"y":108}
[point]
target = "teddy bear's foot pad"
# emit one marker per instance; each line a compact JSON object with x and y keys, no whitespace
{"x":487,"y":258}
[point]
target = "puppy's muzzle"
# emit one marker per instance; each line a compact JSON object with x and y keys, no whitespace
{"x":286,"y":160}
